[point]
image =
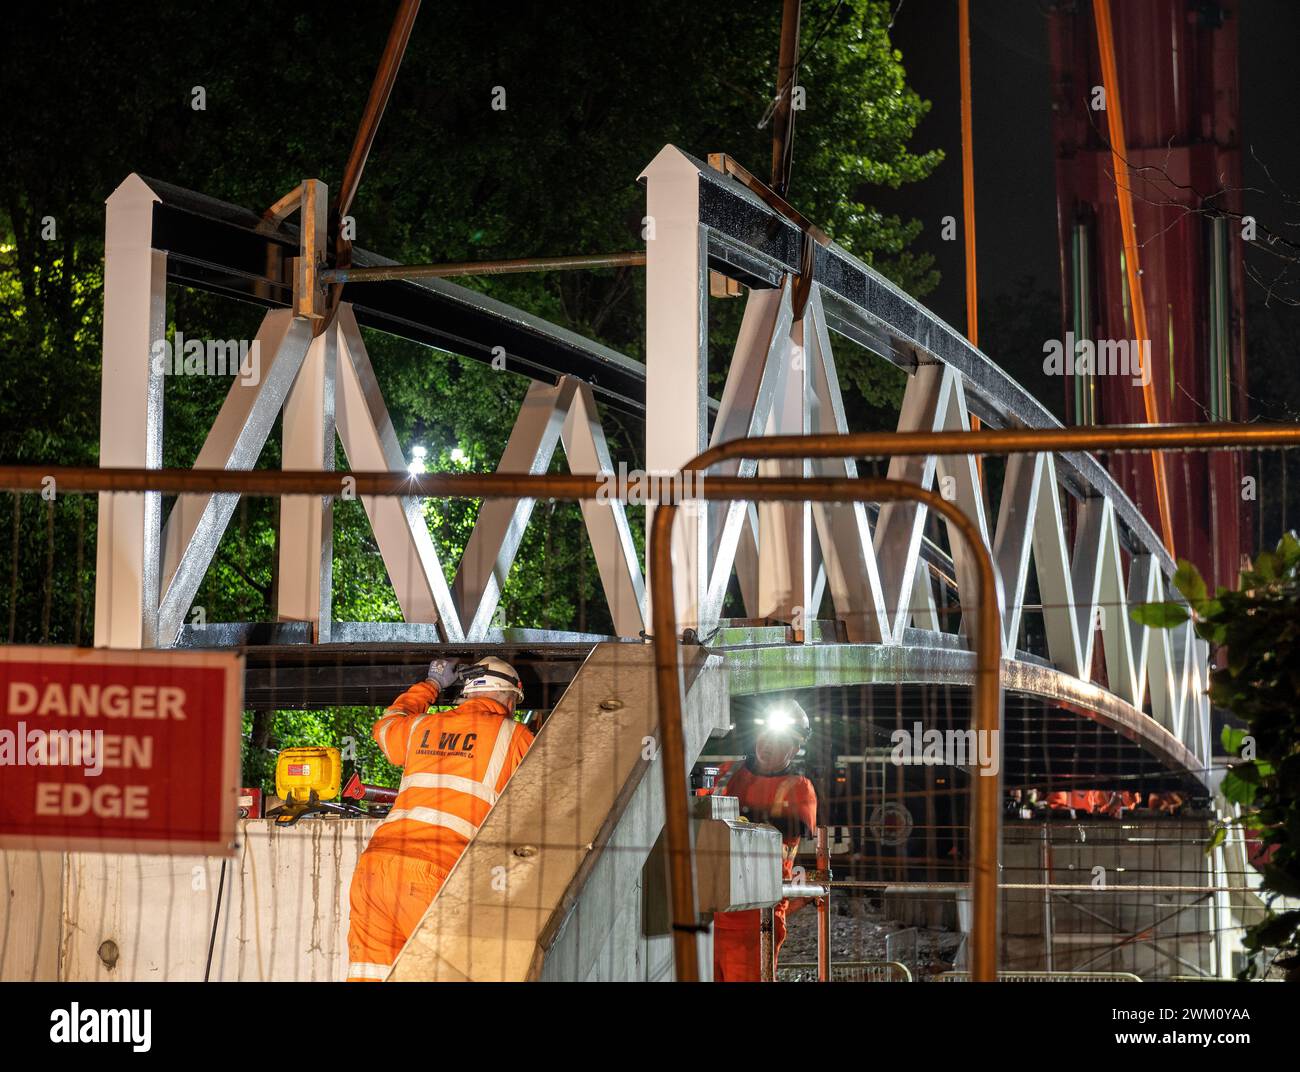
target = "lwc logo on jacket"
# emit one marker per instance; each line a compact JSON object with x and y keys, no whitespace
{"x":119,"y":751}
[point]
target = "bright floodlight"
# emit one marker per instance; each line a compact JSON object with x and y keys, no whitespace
{"x":459,"y":456}
{"x":780,"y":719}
{"x":417,"y":460}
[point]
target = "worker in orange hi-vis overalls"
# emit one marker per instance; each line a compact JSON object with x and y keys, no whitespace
{"x":1076,"y":800}
{"x":769,"y":792}
{"x":456,"y":763}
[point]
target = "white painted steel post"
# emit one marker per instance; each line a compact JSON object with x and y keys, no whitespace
{"x":677,"y":373}
{"x":306,"y":542}
{"x":130,"y":420}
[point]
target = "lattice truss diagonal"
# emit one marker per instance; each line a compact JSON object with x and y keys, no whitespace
{"x":783,"y":381}
{"x":322,"y":380}
{"x":326,"y":386}
{"x":877,"y":567}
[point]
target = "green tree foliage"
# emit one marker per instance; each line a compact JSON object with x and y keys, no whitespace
{"x":591,"y":92}
{"x":1258,"y":626}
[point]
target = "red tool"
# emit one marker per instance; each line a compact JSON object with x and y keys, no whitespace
{"x":356,"y":789}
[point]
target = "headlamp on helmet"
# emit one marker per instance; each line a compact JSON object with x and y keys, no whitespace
{"x":787,"y":720}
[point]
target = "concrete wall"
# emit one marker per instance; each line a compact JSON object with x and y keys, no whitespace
{"x":584,"y":810}
{"x":553,"y":886}
{"x":31,"y":930}
{"x":284,"y":909}
{"x":90,"y":916}
{"x":612,"y":931}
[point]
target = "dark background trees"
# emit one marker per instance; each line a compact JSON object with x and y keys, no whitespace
{"x":95,"y":92}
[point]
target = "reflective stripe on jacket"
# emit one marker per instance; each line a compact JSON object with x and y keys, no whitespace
{"x":456,"y":763}
{"x":760,"y":795}
{"x":790,"y":795}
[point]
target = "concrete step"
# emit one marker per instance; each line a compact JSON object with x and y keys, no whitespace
{"x":552,"y":885}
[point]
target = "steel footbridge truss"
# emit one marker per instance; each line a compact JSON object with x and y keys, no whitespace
{"x":889,"y":584}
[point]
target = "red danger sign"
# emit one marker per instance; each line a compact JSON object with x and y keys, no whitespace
{"x":119,"y":751}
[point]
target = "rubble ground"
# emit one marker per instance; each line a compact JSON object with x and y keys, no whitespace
{"x":860,"y":931}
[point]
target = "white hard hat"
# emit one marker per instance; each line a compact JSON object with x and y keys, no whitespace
{"x":491,"y":674}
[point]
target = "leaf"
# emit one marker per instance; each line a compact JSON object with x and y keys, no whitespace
{"x":1252,"y":773}
{"x":1279,"y":881}
{"x":1159,"y":615}
{"x":1222,"y":692}
{"x":1188,"y":580}
{"x":1214,"y":632}
{"x":1236,"y":790}
{"x":1266,"y":565}
{"x":1279,"y":930}
{"x":1288,"y":550}
{"x":1289,"y":775}
{"x":1232,"y":738}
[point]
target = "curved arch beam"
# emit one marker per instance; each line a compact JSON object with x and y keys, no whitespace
{"x":804,"y":666}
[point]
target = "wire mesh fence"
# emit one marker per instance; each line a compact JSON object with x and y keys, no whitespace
{"x":1104,"y":871}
